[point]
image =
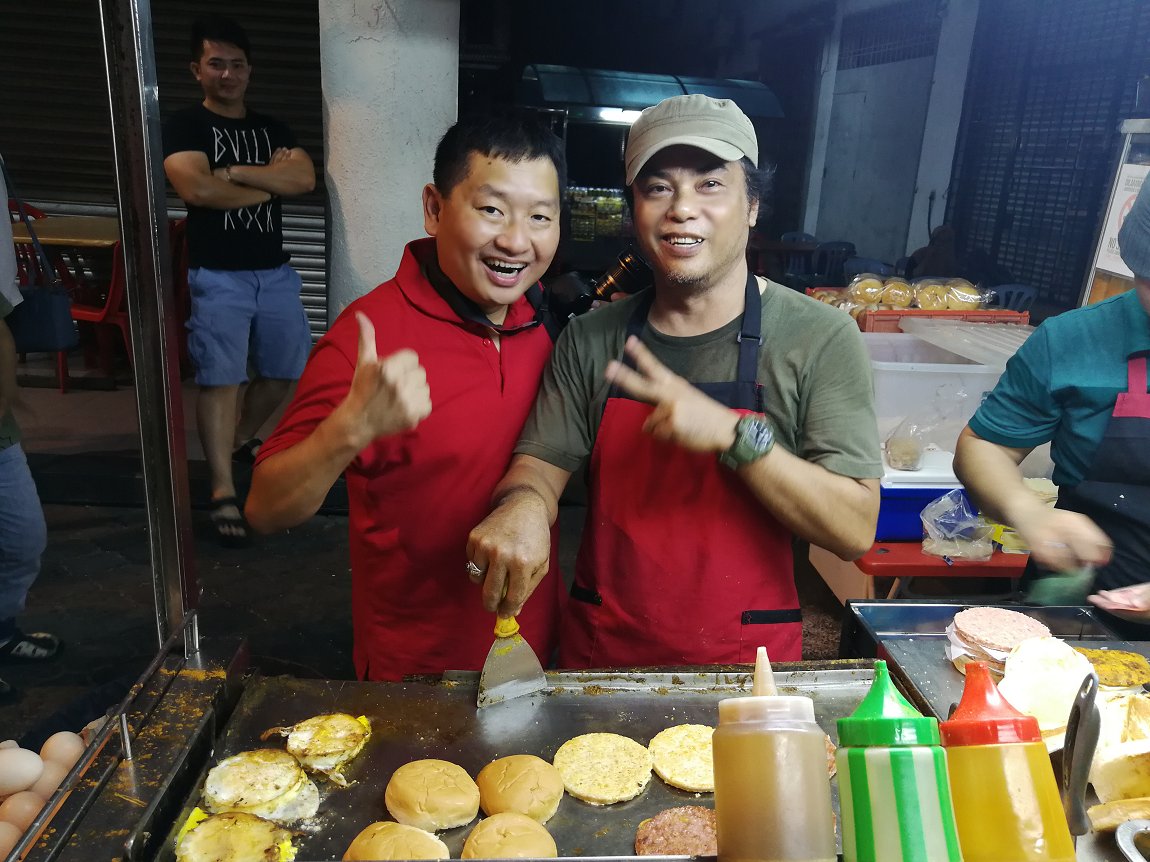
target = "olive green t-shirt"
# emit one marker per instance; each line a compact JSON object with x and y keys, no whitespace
{"x":813,"y":366}
{"x":9,"y":432}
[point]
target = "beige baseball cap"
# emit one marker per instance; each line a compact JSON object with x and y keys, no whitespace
{"x":715,"y":125}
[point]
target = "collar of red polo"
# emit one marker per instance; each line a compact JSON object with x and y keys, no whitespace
{"x":448,"y":302}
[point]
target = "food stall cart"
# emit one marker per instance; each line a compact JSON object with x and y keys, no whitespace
{"x":194,"y":705}
{"x":911,"y":637}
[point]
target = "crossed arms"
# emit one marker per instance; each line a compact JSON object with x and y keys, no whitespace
{"x":290,"y":172}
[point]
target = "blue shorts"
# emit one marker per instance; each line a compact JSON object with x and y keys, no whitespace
{"x":237,"y":314}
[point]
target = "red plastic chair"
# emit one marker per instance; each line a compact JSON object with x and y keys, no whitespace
{"x":108,"y":315}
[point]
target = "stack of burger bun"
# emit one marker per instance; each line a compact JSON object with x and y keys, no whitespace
{"x":870,"y":292}
{"x":989,"y":635}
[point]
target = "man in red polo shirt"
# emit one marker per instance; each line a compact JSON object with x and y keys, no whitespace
{"x":417,"y":394}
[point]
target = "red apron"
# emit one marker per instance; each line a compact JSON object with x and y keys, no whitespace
{"x":679,"y":563}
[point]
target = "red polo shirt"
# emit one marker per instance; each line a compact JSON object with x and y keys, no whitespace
{"x":414,"y":498}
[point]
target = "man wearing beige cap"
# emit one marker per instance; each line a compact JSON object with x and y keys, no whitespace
{"x":719,"y":415}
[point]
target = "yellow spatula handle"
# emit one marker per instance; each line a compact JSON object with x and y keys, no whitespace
{"x":505,"y":627}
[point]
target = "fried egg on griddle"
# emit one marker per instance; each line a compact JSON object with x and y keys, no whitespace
{"x":266,"y":782}
{"x":236,"y":836}
{"x":325,"y":743}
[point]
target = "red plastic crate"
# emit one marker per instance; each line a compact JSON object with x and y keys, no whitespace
{"x":891,"y":320}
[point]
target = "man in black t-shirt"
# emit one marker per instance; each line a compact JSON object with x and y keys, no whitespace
{"x":231,"y":166}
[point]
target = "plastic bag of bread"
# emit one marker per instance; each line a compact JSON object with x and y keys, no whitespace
{"x":897,"y":293}
{"x":961,"y":295}
{"x":905,"y":445}
{"x":954,"y":529}
{"x":866,"y":288}
{"x":849,"y":306}
{"x":930,"y":294}
{"x":829,"y":295}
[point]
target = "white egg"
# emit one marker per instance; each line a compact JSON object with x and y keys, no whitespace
{"x":49,"y":779}
{"x":9,"y":835}
{"x":63,"y":747}
{"x":19,"y":770}
{"x":20,"y":809}
{"x":9,"y":743}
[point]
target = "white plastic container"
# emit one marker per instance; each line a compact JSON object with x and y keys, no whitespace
{"x":909,"y":372}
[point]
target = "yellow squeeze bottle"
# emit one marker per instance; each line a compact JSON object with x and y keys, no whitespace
{"x":1006,"y":801}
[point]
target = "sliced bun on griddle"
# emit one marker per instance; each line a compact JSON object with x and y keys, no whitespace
{"x":603,"y":768}
{"x":685,"y":831}
{"x":509,"y":836}
{"x":386,"y":840}
{"x":432,"y":795}
{"x":234,"y":836}
{"x":522,"y":783}
{"x":266,"y":782}
{"x":682,"y":757}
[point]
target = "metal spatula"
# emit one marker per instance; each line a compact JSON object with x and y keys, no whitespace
{"x":512,"y":669}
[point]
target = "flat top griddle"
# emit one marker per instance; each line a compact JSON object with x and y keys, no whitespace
{"x":439,"y":719}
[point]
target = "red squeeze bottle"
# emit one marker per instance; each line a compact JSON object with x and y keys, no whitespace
{"x":1006,"y":801}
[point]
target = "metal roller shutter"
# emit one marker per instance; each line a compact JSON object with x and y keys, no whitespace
{"x":56,"y":134}
{"x":1039,"y":137}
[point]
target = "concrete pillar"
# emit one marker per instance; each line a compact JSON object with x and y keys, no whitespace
{"x":940,"y":133}
{"x":390,"y":74}
{"x":824,"y":101}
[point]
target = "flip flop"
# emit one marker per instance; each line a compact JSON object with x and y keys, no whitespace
{"x":34,"y":647}
{"x":240,"y":535}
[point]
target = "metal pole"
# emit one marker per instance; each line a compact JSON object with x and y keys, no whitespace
{"x":133,"y":96}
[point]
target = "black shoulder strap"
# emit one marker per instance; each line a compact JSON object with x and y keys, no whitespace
{"x":48,"y":273}
{"x":537,"y":297}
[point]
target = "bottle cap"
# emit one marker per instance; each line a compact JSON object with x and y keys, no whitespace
{"x":778,"y":708}
{"x":886,"y":718}
{"x":984,"y":717}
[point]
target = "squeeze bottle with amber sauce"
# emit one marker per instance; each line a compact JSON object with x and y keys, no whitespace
{"x":1006,"y":801}
{"x":893,"y":790}
{"x":772,"y":791}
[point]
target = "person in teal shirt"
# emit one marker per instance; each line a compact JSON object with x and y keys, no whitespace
{"x":1080,"y":383}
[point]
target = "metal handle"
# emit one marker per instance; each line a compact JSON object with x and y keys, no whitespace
{"x":1125,"y":836}
{"x":1077,"y":754}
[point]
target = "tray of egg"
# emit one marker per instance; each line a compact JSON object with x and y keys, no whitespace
{"x":28,"y":780}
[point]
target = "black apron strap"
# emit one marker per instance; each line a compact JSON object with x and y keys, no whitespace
{"x":750,"y":333}
{"x":744,"y":391}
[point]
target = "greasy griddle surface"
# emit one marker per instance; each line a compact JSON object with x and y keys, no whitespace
{"x":439,"y":719}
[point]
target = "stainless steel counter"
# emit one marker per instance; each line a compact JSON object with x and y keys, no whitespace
{"x":911,"y":636}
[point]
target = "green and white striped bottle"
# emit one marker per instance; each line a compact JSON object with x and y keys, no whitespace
{"x":894,"y":794}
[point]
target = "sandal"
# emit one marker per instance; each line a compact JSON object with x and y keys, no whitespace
{"x":246,"y":452}
{"x":37,"y":646}
{"x":232,"y":531}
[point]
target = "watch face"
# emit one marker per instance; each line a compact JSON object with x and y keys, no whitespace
{"x":759,"y":435}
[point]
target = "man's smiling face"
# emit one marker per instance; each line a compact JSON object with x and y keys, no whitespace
{"x":497,"y":230}
{"x":692,"y":216}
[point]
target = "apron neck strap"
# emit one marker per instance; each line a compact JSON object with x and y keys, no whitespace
{"x":1134,"y":403}
{"x":750,"y":337}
